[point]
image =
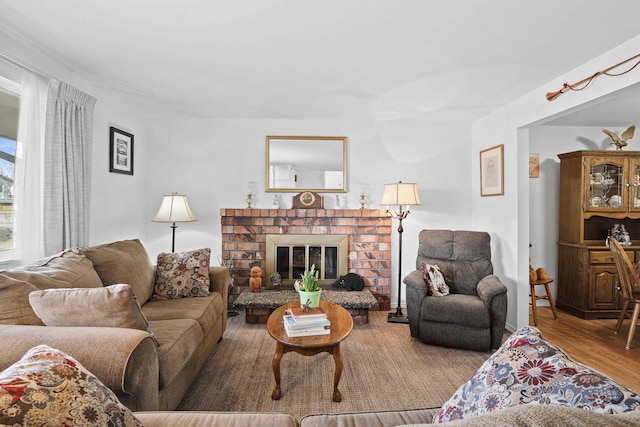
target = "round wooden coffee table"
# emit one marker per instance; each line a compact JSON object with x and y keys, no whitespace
{"x":341,"y":325}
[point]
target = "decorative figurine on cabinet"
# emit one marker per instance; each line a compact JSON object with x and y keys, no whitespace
{"x":620,"y":233}
{"x":620,"y":141}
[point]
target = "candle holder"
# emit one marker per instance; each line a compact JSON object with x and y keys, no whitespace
{"x":363,"y":197}
{"x":250,"y":192}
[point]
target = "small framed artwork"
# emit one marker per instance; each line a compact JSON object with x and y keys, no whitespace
{"x":534,"y":165}
{"x":492,"y":171}
{"x":120,"y":151}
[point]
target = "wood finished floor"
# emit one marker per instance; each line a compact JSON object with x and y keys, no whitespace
{"x":594,"y":343}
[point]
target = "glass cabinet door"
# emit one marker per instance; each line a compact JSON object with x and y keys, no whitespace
{"x":634,"y":186}
{"x":605,"y":185}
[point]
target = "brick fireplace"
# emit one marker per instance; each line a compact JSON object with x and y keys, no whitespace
{"x":244,"y":235}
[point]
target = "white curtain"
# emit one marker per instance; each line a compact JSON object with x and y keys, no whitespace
{"x":28,"y":223}
{"x":67,"y":166}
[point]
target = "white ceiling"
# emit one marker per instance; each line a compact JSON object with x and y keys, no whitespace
{"x":446,"y":61}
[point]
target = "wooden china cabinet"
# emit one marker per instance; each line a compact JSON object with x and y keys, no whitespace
{"x":598,"y":189}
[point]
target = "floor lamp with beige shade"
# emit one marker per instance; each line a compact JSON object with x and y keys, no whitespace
{"x":402,"y":194}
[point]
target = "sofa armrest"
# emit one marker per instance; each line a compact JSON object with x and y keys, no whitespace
{"x":125,"y":360}
{"x":220,"y":281}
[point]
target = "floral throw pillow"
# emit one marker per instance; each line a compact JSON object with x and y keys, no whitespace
{"x":528,"y":370}
{"x":182,"y":274}
{"x":49,"y":388}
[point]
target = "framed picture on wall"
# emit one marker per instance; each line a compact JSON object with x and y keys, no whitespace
{"x":120,"y":151}
{"x":534,"y":165}
{"x":492,"y":171}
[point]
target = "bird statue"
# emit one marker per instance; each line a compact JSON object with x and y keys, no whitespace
{"x":620,"y":141}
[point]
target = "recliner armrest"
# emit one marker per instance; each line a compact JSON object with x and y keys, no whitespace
{"x":415,"y":281}
{"x":489,"y":287}
{"x":493,"y":294}
{"x":416,"y":292}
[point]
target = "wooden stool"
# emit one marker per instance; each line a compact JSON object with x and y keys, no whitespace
{"x":535,"y":297}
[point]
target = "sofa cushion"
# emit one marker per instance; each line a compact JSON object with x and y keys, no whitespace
{"x":550,"y":415}
{"x":374,"y":418}
{"x":528,"y":370}
{"x":124,"y":261}
{"x":179,"y":340}
{"x":48,"y":387}
{"x":15,"y":308}
{"x":226,"y":419}
{"x":182,"y":274}
{"x":205,"y":310}
{"x":67,"y":269}
{"x":111,"y":306}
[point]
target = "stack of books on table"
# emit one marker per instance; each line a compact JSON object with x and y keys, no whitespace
{"x":300,"y":323}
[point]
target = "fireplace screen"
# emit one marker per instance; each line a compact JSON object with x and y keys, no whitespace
{"x":293,"y":261}
{"x":291,"y":255}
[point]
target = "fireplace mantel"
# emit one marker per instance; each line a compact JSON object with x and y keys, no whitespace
{"x":244,"y":234}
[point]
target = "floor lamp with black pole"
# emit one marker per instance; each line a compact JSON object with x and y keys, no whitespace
{"x":174,"y":208}
{"x":400,"y":194}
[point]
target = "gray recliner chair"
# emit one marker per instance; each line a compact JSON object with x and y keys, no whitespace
{"x":474,"y":313}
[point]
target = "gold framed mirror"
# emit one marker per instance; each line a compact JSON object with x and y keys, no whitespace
{"x":306,"y":163}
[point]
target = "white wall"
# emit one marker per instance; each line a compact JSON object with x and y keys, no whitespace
{"x":211,"y":160}
{"x":507,"y":218}
{"x":118,"y":202}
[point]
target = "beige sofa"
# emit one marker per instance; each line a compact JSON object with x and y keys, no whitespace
{"x":148,"y":371}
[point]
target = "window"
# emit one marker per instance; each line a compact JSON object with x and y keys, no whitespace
{"x":9,"y":113}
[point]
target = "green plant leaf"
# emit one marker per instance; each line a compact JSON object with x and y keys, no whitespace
{"x":310,"y":281}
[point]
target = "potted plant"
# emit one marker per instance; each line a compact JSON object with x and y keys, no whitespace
{"x":309,"y":287}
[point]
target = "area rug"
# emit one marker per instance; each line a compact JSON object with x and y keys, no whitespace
{"x":384,"y":369}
